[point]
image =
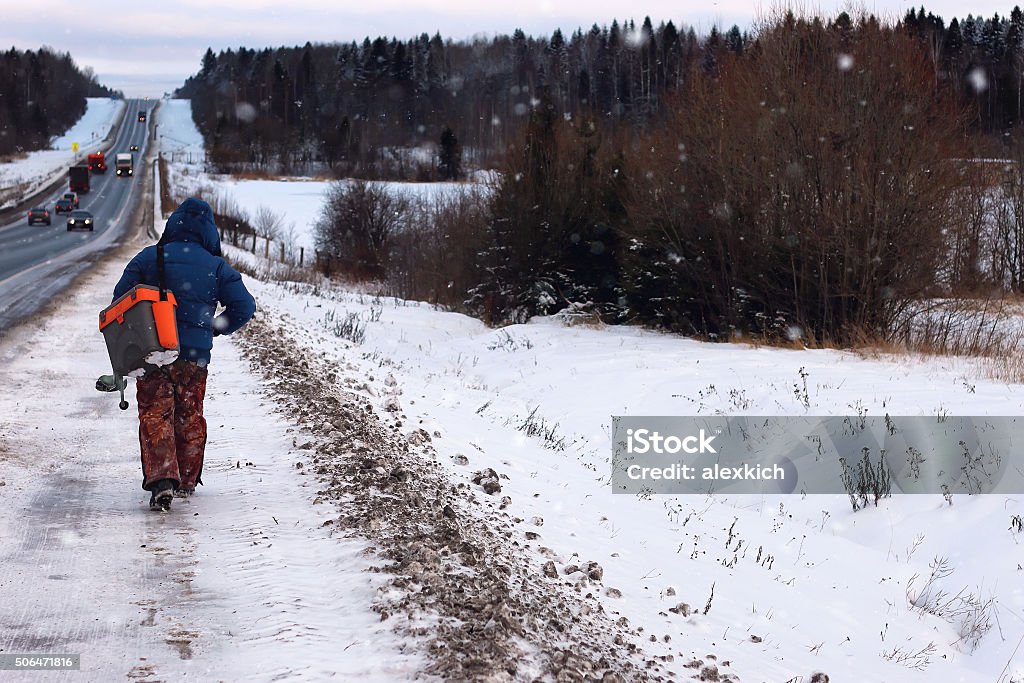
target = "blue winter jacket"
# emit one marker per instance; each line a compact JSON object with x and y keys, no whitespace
{"x":198,"y":277}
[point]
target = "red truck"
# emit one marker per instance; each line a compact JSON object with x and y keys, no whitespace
{"x":98,"y":163}
{"x":79,"y":178}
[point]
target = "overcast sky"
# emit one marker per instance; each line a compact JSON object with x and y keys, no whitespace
{"x":147,"y":48}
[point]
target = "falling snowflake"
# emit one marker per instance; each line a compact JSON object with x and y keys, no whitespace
{"x":845,"y":62}
{"x":245,"y":112}
{"x":635,"y":39}
{"x":978,"y":79}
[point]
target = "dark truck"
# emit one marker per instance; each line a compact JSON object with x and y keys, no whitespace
{"x":79,"y":177}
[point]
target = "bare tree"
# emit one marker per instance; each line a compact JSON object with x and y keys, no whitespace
{"x":354,"y":233}
{"x":268,"y":223}
{"x":807,"y":188}
{"x":436,"y":258}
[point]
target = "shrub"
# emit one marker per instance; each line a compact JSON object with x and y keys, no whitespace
{"x":807,"y":183}
{"x":348,"y":327}
{"x":355,"y":230}
{"x":866,"y":483}
{"x":435,"y":257}
{"x":555,"y":212}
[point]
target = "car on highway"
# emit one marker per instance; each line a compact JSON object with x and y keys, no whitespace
{"x":80,"y":220}
{"x":38,"y":214}
{"x":142,"y":116}
{"x":64,"y":205}
{"x":133,"y":148}
{"x":73,"y":196}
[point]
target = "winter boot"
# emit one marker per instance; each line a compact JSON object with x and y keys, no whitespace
{"x":163,"y":494}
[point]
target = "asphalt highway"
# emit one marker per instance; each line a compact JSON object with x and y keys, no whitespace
{"x":37,"y":261}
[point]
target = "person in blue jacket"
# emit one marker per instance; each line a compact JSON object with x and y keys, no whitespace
{"x":172,"y":429}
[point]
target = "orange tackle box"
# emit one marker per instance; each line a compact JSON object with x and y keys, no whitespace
{"x":140,"y":331}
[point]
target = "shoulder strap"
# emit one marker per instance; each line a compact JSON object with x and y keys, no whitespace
{"x":160,"y":269}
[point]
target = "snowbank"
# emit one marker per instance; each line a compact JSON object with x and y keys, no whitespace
{"x":791,"y":584}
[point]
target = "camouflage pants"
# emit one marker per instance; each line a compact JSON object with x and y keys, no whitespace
{"x":172,"y":429}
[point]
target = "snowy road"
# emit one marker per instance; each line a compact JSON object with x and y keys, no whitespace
{"x":242,"y":582}
{"x":37,"y":262}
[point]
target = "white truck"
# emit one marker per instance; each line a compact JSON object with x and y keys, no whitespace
{"x":124,"y":164}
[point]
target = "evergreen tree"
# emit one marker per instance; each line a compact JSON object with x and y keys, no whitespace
{"x":209,"y":63}
{"x":42,"y":93}
{"x":734,"y":40}
{"x":449,"y":165}
{"x":711,"y":48}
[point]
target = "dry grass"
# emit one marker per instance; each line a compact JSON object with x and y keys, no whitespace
{"x":8,"y":194}
{"x":590,"y":319}
{"x":980,"y":327}
{"x":167,"y":203}
{"x":278,"y":272}
{"x":12,"y":157}
{"x":990,"y":330}
{"x":254,"y":174}
{"x":1008,"y":368}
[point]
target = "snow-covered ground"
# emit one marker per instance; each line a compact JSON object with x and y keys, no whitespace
{"x":23,"y":177}
{"x":242,"y":582}
{"x":176,"y":132}
{"x":250,"y":585}
{"x":790,"y":584}
{"x":834,"y":594}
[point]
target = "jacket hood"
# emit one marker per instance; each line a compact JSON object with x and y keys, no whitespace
{"x":193,"y":222}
